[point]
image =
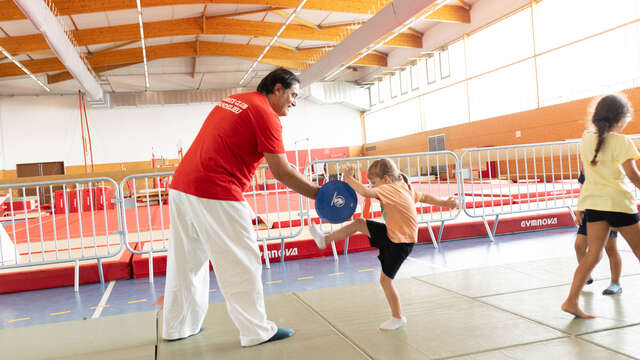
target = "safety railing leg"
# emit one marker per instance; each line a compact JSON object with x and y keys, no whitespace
{"x":433,"y":237}
{"x":573,"y":215}
{"x":486,"y":226}
{"x":76,"y":276}
{"x":282,"y":250}
{"x":495,"y":225}
{"x":440,"y":231}
{"x":335,"y":252}
{"x":346,"y":245}
{"x":265,"y":250}
{"x":100,"y":272}
{"x":150,"y":266}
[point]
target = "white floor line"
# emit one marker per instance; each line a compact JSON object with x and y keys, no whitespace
{"x":103,"y":301}
{"x":427,"y":263}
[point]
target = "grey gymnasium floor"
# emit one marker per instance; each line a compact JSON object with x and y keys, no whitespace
{"x":469,"y":299}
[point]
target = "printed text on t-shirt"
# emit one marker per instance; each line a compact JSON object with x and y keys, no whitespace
{"x":234,"y":105}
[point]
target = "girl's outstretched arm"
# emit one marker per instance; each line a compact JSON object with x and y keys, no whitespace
{"x":356,"y":185}
{"x":630,"y":169}
{"x":450,"y":202}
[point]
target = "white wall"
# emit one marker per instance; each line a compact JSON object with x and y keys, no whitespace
{"x":47,"y":128}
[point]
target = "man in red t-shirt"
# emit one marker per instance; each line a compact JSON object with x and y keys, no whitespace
{"x":210,"y":220}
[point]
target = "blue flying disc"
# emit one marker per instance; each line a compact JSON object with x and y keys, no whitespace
{"x":336,"y":202}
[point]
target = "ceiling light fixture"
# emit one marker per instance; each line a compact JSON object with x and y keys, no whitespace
{"x":273,"y":40}
{"x":15,"y":61}
{"x":144,"y":51}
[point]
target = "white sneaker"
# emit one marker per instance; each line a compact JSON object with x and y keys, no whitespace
{"x":318,"y":236}
{"x":393,"y":323}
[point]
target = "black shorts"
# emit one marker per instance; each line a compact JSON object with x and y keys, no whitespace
{"x":582,"y":230}
{"x":392,"y":255}
{"x":613,"y":218}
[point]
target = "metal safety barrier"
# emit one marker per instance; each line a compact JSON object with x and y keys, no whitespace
{"x":278,"y":213}
{"x":428,"y":172}
{"x":521,"y":178}
{"x":46,"y":226}
{"x":43,"y":223}
{"x":145,"y":214}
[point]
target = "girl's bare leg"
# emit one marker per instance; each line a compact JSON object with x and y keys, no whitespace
{"x":322,"y":240}
{"x":597,"y":234}
{"x":397,"y":320}
{"x":391,"y":294}
{"x":615,"y":262}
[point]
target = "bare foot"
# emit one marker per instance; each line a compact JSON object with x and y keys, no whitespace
{"x":575,"y":310}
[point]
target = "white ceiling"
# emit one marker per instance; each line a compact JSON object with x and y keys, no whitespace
{"x":226,"y":72}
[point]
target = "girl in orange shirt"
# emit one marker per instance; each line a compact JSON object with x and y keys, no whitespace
{"x":395,"y":237}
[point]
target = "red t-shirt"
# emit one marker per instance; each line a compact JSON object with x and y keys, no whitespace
{"x":229,"y":148}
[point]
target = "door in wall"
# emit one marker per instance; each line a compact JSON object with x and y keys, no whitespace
{"x":41,"y":169}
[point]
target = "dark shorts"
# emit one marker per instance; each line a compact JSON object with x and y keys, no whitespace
{"x":582,"y":230}
{"x":613,"y":218}
{"x":392,"y":255}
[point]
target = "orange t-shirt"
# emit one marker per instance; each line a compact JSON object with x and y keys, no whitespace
{"x":401,"y":217}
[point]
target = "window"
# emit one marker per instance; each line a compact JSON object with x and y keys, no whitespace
{"x":446,"y":107}
{"x":383,"y":89}
{"x":395,"y":84}
{"x":604,"y":63}
{"x":555,"y":25}
{"x":413,"y":70}
{"x":373,"y":93}
{"x":431,"y":69}
{"x":444,"y":63}
{"x":404,"y":81}
{"x":509,"y":90}
{"x":399,"y":120}
{"x":501,"y":44}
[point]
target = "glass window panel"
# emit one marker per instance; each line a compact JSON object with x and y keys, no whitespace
{"x":395,"y":84}
{"x":431,"y":69}
{"x":508,"y":90}
{"x":445,"y":107}
{"x":415,"y":82}
{"x":500,"y":44}
{"x":383,"y":89}
{"x":404,"y":80}
{"x":444,"y":63}
{"x":560,"y":22}
{"x":605,"y":63}
{"x":399,"y":120}
{"x":373,"y":93}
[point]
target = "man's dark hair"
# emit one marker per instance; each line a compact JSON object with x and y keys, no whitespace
{"x":280,"y":76}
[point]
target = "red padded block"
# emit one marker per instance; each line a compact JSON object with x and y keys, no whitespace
{"x":87,"y":199}
{"x":73,"y":201}
{"x":103,"y":197}
{"x":59,"y":201}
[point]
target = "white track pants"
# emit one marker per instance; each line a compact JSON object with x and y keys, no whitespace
{"x":203,"y":229}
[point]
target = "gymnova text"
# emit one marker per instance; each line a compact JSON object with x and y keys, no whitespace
{"x":278,"y":253}
{"x":539,"y":222}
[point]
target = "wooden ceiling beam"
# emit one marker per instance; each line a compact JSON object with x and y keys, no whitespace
{"x":9,"y":11}
{"x":65,"y":75}
{"x":451,"y":13}
{"x":185,"y":49}
{"x":194,"y":26}
{"x":297,"y":19}
{"x":267,"y":9}
{"x":266,"y":40}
